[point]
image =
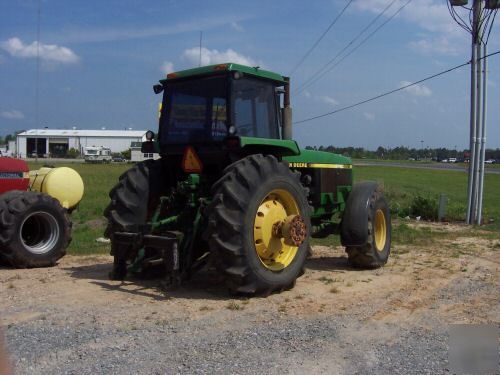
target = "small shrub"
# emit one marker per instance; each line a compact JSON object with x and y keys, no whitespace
{"x":233,"y":306}
{"x":73,"y":153}
{"x":326,"y":280}
{"x":425,"y":207}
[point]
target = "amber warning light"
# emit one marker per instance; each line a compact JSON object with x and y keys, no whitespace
{"x":191,"y":163}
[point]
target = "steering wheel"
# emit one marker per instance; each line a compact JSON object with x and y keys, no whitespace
{"x":245,"y":129}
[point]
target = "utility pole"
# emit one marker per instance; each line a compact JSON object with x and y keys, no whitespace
{"x":37,"y":94}
{"x":480,"y":15}
{"x":475,"y":115}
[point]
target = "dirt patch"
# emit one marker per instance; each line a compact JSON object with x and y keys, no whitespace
{"x":453,"y":280}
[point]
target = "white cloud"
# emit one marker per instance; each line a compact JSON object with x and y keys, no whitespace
{"x":307,"y":94}
{"x":12,"y":115}
{"x":329,"y":100}
{"x":213,"y":56}
{"x":369,"y":116}
{"x":167,"y":67}
{"x":236,"y":26}
{"x":92,"y":35}
{"x":48,"y":52}
{"x":442,"y":45}
{"x":431,"y":16}
{"x":417,"y":90}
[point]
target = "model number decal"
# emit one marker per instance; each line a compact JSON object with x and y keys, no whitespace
{"x":11,"y":175}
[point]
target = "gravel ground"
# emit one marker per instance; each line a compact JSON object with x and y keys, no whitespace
{"x":70,"y":319}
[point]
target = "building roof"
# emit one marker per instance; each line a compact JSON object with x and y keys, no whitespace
{"x":83,"y":133}
{"x":229,"y":67}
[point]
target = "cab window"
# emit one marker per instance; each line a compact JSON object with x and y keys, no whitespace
{"x":254,"y":108}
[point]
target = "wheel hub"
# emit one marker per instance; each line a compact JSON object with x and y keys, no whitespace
{"x":293,"y":229}
{"x":278,"y":230}
{"x":39,"y":232}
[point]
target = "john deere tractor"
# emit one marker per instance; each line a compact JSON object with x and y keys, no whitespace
{"x":232,"y":188}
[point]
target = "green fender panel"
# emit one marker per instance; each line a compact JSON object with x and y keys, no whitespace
{"x":318,"y":158}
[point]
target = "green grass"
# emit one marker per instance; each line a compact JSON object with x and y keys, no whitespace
{"x":400,"y":186}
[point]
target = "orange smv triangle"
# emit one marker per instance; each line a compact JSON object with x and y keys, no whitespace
{"x":191,"y":163}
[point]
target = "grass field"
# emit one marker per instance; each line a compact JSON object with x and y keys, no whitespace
{"x":400,"y":186}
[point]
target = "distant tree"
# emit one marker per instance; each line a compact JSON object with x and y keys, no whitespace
{"x":73,"y":153}
{"x":127,"y":154}
{"x":380,"y":152}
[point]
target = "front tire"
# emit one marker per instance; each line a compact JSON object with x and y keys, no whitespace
{"x":376,"y":251}
{"x":35,"y":229}
{"x":254,"y":194}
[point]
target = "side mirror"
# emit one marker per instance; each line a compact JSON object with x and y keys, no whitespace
{"x":157,"y":88}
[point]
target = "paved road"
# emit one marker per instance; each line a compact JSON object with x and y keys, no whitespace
{"x":433,"y":166}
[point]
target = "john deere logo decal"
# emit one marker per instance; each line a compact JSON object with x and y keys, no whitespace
{"x":320,"y":165}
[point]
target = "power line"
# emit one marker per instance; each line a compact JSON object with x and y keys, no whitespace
{"x":370,"y":24}
{"x":358,"y":45}
{"x":393,"y":91}
{"x":320,"y":38}
{"x":369,"y":36}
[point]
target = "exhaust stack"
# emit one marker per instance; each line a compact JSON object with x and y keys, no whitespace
{"x":287,"y":112}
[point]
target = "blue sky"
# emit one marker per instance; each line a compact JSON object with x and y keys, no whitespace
{"x":99,"y":61}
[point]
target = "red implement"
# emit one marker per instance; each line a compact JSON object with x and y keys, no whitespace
{"x":13,"y":175}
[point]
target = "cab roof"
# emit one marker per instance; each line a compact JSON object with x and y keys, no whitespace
{"x":227,"y":67}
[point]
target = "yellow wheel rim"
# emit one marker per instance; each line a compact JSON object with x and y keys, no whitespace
{"x":380,"y":230}
{"x":274,"y":252}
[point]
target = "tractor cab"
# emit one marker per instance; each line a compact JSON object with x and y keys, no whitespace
{"x":208,"y":104}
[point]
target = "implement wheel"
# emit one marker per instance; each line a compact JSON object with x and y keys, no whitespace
{"x":375,"y":252}
{"x":34,"y":229}
{"x":259,"y":225}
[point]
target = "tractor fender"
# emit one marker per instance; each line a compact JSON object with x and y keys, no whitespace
{"x":354,"y":225}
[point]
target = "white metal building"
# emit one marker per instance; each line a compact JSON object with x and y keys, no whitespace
{"x":137,"y":155}
{"x":57,"y":142}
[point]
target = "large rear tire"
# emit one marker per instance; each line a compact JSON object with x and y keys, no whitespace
{"x":35,"y":229}
{"x":133,"y":199}
{"x":253,"y":195}
{"x":376,"y":251}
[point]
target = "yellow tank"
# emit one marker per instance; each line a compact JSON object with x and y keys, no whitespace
{"x":63,"y":184}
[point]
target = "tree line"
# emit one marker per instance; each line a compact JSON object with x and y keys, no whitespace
{"x":404,"y":153}
{"x":9,"y":137}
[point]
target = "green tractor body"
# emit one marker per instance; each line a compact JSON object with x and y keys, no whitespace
{"x":234,"y":190}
